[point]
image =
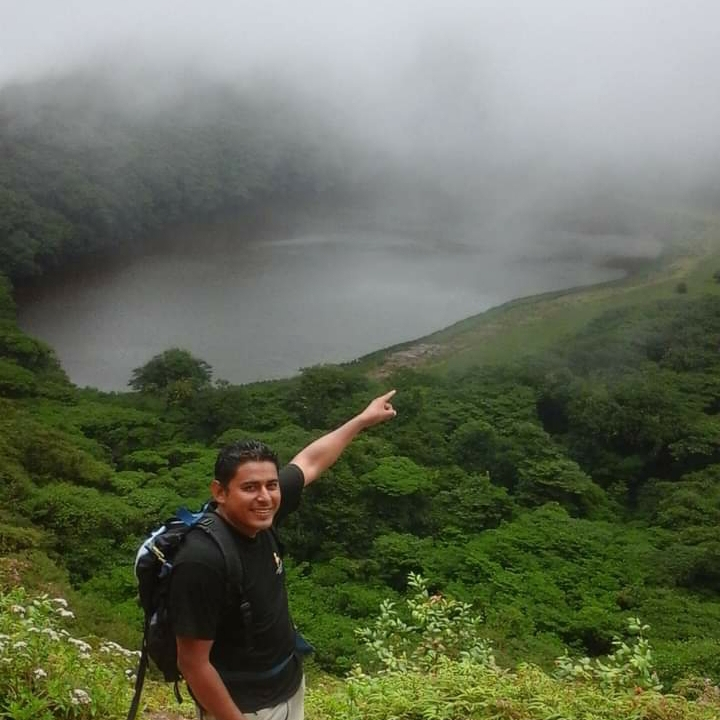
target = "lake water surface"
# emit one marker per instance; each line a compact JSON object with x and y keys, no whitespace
{"x":263,"y":306}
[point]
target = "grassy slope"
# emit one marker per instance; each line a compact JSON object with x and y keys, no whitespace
{"x":530,"y":325}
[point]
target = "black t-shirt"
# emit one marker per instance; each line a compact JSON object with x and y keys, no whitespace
{"x":199,"y":607}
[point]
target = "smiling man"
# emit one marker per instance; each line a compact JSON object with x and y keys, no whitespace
{"x":238,"y":650}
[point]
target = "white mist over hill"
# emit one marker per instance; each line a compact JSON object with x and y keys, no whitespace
{"x":467,"y":91}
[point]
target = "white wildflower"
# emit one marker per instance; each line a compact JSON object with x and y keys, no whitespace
{"x":60,"y":601}
{"x":17,"y":609}
{"x":20,"y":645}
{"x":79,"y":697}
{"x":39,"y":673}
{"x":66,"y":613}
{"x":50,"y":633}
{"x":108,"y":646}
{"x":80,"y":644}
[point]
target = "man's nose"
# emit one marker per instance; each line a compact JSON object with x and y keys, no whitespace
{"x":264,"y":493}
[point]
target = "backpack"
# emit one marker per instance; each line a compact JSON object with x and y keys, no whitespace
{"x":153,"y":565}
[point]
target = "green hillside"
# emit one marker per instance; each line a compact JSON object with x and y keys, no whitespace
{"x":534,"y":324}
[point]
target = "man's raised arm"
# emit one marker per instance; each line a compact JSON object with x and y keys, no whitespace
{"x":317,"y":457}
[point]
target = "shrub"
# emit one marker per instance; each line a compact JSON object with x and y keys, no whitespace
{"x":47,"y":674}
{"x":435,"y":667}
{"x":468,"y":691}
{"x":630,"y":665}
{"x":437,"y":628}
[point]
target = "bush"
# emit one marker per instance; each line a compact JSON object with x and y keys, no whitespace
{"x":468,"y":691}
{"x":631,"y":664}
{"x":437,"y":667}
{"x":50,"y":675}
{"x":436,"y":628}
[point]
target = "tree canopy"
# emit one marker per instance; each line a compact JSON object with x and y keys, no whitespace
{"x":174,"y":371}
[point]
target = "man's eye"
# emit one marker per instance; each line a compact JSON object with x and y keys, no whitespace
{"x":273,"y":485}
{"x":249,"y":488}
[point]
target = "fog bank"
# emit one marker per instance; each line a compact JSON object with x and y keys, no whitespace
{"x":516,"y":109}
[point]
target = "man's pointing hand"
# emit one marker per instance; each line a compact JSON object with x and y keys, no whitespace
{"x":379,"y":410}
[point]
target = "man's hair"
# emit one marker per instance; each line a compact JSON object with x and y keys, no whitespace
{"x":232,"y":456}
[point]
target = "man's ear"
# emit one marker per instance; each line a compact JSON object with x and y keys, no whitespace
{"x":218,"y":492}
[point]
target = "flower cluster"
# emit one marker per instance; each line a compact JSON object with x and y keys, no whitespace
{"x":79,"y":697}
{"x":48,"y":673}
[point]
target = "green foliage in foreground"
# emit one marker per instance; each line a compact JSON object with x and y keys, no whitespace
{"x":47,"y":674}
{"x":50,"y":675}
{"x":434,"y":665}
{"x":462,"y":690}
{"x":435,"y":629}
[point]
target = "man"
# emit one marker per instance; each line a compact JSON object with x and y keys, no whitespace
{"x":231,"y":676}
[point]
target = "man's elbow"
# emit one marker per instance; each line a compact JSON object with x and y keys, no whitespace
{"x":191,"y":663}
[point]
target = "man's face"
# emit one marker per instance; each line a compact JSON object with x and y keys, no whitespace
{"x":252,"y":497}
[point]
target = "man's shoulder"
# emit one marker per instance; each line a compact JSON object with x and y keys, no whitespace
{"x":292,"y":482}
{"x":199,"y":547}
{"x":291,"y":475}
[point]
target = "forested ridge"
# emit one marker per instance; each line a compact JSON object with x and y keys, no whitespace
{"x":560,"y":492}
{"x":87,"y":168}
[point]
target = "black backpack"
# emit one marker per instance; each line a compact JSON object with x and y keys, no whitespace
{"x":153,"y":565}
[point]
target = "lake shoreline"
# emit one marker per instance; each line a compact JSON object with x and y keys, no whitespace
{"x":340,"y":291}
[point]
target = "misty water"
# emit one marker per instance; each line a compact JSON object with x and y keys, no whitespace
{"x":262,"y":304}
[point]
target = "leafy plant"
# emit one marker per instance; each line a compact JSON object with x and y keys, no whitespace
{"x":434,"y":629}
{"x":47,"y":674}
{"x":631,"y":664}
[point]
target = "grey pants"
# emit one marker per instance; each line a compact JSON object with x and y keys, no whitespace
{"x":292,"y":709}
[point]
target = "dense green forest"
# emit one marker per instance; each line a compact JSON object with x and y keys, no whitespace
{"x":559,"y":491}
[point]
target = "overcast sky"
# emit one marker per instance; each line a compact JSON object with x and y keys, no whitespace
{"x":598,"y":78}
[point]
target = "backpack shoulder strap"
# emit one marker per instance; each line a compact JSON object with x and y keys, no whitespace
{"x":139,"y":675}
{"x":211,"y":524}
